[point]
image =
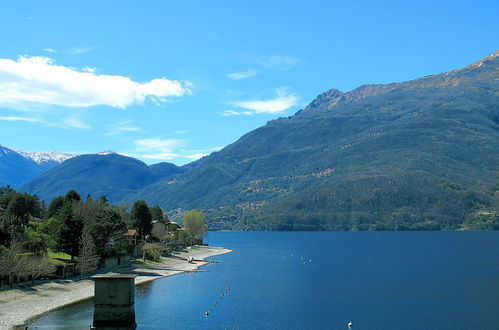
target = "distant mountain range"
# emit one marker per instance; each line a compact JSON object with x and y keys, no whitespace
{"x":103,"y":174}
{"x":421,"y":154}
{"x":17,"y":167}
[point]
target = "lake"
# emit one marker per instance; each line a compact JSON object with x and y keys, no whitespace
{"x":323,"y":280}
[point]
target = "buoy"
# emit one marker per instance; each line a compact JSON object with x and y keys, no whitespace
{"x":350,"y":324}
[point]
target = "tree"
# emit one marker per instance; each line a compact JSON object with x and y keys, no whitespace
{"x":107,"y":229}
{"x":156,"y":213}
{"x":152,"y":251}
{"x":195,"y":224}
{"x":54,"y":206}
{"x":88,"y":257}
{"x":72,"y":196}
{"x":141,"y":216}
{"x":71,"y":231}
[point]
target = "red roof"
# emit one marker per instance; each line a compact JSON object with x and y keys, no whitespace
{"x":131,"y":232}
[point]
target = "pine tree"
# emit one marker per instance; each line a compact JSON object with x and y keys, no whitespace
{"x":71,"y":233}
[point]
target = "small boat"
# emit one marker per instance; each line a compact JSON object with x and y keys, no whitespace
{"x":350,"y":324}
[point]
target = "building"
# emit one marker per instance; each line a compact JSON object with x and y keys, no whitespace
{"x":132,"y":236}
{"x":159,"y":229}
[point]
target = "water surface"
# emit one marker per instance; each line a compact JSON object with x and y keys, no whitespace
{"x":323,"y":280}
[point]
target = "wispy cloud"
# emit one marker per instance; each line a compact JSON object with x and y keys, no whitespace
{"x":79,"y":50}
{"x":50,"y":50}
{"x":38,"y":81}
{"x":230,"y":112}
{"x":280,"y":103}
{"x":243,"y":74}
{"x":74,"y":122}
{"x":281,"y":62}
{"x":123,"y":126}
{"x":167,"y":149}
{"x":89,"y":69}
{"x":158,"y":148}
{"x":14,"y":118}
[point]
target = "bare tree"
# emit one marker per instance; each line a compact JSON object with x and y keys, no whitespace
{"x":195,"y":224}
{"x":88,"y":259}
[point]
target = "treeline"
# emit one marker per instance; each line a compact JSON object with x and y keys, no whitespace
{"x":397,"y":202}
{"x":33,"y":238}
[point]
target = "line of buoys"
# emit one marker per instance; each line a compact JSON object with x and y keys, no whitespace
{"x":227,"y":291}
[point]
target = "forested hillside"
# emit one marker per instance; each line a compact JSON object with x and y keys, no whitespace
{"x":421,"y":154}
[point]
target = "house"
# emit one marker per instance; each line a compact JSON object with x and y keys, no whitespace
{"x":173,"y":226}
{"x":159,"y":229}
{"x":132,"y":235}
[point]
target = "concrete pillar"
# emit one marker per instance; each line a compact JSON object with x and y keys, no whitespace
{"x":114,"y":302}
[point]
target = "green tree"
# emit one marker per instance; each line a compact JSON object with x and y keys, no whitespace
{"x":157,"y":213}
{"x":141,"y":215}
{"x":107,"y":228}
{"x":54,"y":206}
{"x":72,"y":196}
{"x":195,"y":225}
{"x":52,"y":228}
{"x":69,"y":240}
{"x":103,"y":200}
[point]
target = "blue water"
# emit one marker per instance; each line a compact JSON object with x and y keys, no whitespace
{"x":323,"y":280}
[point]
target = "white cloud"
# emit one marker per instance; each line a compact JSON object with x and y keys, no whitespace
{"x":89,"y":69}
{"x":282,"y":62}
{"x":158,"y":144}
{"x":243,"y":74}
{"x":79,"y":50}
{"x":14,"y":118}
{"x":230,"y":112}
{"x":74,"y":122}
{"x":167,"y":149}
{"x":37,"y":80}
{"x":123,"y":126}
{"x":282,"y":102}
{"x":50,"y":50}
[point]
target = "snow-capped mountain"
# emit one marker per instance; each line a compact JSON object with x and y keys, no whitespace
{"x":17,"y":166}
{"x":41,"y":157}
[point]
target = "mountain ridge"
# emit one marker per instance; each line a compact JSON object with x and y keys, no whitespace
{"x":428,"y":120}
{"x":419,"y":154}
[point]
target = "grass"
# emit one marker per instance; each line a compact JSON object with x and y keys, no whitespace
{"x":55,"y":257}
{"x":58,"y":255}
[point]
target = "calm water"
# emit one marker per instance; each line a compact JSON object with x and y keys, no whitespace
{"x":322,"y":280}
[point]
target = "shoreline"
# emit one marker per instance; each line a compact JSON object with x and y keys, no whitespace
{"x":20,"y":306}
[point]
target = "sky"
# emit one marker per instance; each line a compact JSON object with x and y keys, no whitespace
{"x":176,"y":80}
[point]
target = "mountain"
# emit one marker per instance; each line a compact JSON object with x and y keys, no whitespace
{"x":17,"y":167}
{"x":421,"y":154}
{"x":106,"y":173}
{"x":46,"y":159}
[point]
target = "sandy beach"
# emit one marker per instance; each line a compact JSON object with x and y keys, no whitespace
{"x":17,"y":306}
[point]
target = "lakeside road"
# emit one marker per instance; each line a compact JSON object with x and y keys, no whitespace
{"x":18,"y":306}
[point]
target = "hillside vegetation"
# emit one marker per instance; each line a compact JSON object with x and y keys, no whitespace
{"x":421,"y":154}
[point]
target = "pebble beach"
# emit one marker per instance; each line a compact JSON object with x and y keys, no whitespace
{"x":19,"y":305}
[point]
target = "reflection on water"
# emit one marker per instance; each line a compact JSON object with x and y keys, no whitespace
{"x":317,"y":280}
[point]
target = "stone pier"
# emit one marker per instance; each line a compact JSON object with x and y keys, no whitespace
{"x":114,"y":302}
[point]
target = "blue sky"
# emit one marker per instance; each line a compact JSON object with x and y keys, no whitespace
{"x":175,"y":80}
